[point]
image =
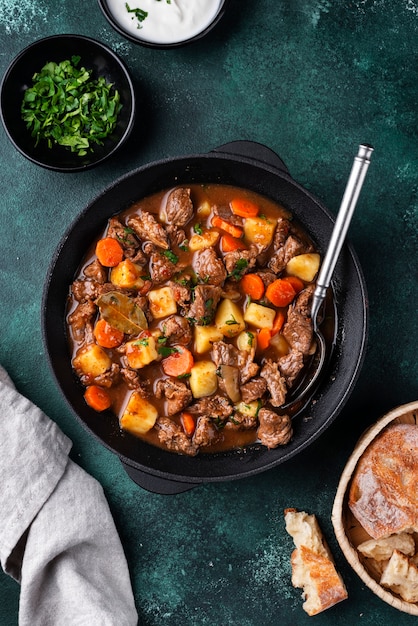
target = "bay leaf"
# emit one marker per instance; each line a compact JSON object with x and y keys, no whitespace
{"x":122,"y":312}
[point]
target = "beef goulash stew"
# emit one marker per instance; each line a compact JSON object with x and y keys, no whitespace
{"x":190,"y":318}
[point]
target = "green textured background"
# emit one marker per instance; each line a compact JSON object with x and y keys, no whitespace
{"x":311,"y":79}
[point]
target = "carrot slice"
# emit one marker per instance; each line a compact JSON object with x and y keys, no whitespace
{"x":230,"y":243}
{"x":232,"y":229}
{"x":244,"y":208}
{"x":97,"y":398}
{"x":253,"y":286}
{"x":106,"y":335}
{"x":188,"y":423}
{"x":278,"y":323}
{"x":296,"y":283}
{"x":109,"y":251}
{"x":263,"y":338}
{"x":179,"y":363}
{"x":280,"y":292}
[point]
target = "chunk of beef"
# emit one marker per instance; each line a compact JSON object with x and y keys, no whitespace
{"x":133,"y":381}
{"x":179,"y":207}
{"x":239,"y":262}
{"x":290,"y":365}
{"x":176,"y":393}
{"x":122,"y":234}
{"x":96,"y":272}
{"x":85,"y":290}
{"x":224,"y":354}
{"x":242,"y":421}
{"x":80,"y":318}
{"x":292,"y":247}
{"x":161,"y":268}
{"x":227,"y":354}
{"x":182,"y":291}
{"x":107,"y":379}
{"x":176,"y":235}
{"x":266,"y":276}
{"x":130,"y":244}
{"x":298,"y":330}
{"x":217,"y":407}
{"x":143,"y":303}
{"x":231,"y":291}
{"x":206,"y":432}
{"x":247,"y":367}
{"x":147,"y":228}
{"x":174,"y":438}
{"x":209,"y":267}
{"x":274,"y":430}
{"x":254,"y":389}
{"x":276,"y":383}
{"x":205,"y":301}
{"x":177,"y":330}
{"x":281,"y":233}
{"x":225,"y":213}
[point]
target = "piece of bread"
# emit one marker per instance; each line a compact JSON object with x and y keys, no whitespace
{"x":382,"y":549}
{"x":313,"y":568}
{"x":383,"y":495}
{"x":401,"y":576}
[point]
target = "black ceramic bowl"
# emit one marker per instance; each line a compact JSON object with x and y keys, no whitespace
{"x":138,"y":33}
{"x":241,"y":164}
{"x":18,"y":77}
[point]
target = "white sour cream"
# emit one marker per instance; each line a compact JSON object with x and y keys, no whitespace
{"x":166,"y":22}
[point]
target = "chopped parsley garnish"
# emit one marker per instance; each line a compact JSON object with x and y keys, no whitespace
{"x":171,"y":256}
{"x":240,"y":266}
{"x":66,"y":106}
{"x":166,"y":350}
{"x":250,"y":338}
{"x":141,"y":342}
{"x":197,"y":229}
{"x":140,"y":14}
{"x":231,"y":321}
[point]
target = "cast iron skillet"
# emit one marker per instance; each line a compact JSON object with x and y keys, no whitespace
{"x":244,"y":164}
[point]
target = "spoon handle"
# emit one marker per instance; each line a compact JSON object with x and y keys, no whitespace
{"x":345,"y":213}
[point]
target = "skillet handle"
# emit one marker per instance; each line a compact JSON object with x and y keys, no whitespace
{"x":155,"y":484}
{"x":255,"y":151}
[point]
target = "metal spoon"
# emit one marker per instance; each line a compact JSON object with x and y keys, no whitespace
{"x":342,"y":222}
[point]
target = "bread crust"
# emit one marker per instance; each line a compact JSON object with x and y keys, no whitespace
{"x":383,"y":495}
{"x":313,"y":568}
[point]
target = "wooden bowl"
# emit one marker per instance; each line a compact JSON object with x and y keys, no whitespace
{"x":348,"y":530}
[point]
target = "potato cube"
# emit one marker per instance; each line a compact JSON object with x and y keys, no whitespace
{"x":139,"y":416}
{"x":247,"y":341}
{"x":203,"y":379}
{"x":259,"y":230}
{"x":206,"y":240}
{"x":259,"y":316}
{"x":141,"y":351}
{"x":92,"y":360}
{"x":204,"y":209}
{"x":304,"y":266}
{"x":248,"y":408}
{"x":127,"y":275}
{"x":229,"y":318}
{"x":162,"y":302}
{"x":205,"y":336}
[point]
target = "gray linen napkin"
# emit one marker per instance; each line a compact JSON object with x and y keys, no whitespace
{"x":57,"y":535}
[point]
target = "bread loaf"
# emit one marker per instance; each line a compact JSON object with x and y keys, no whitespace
{"x":383,"y":494}
{"x":313,"y":568}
